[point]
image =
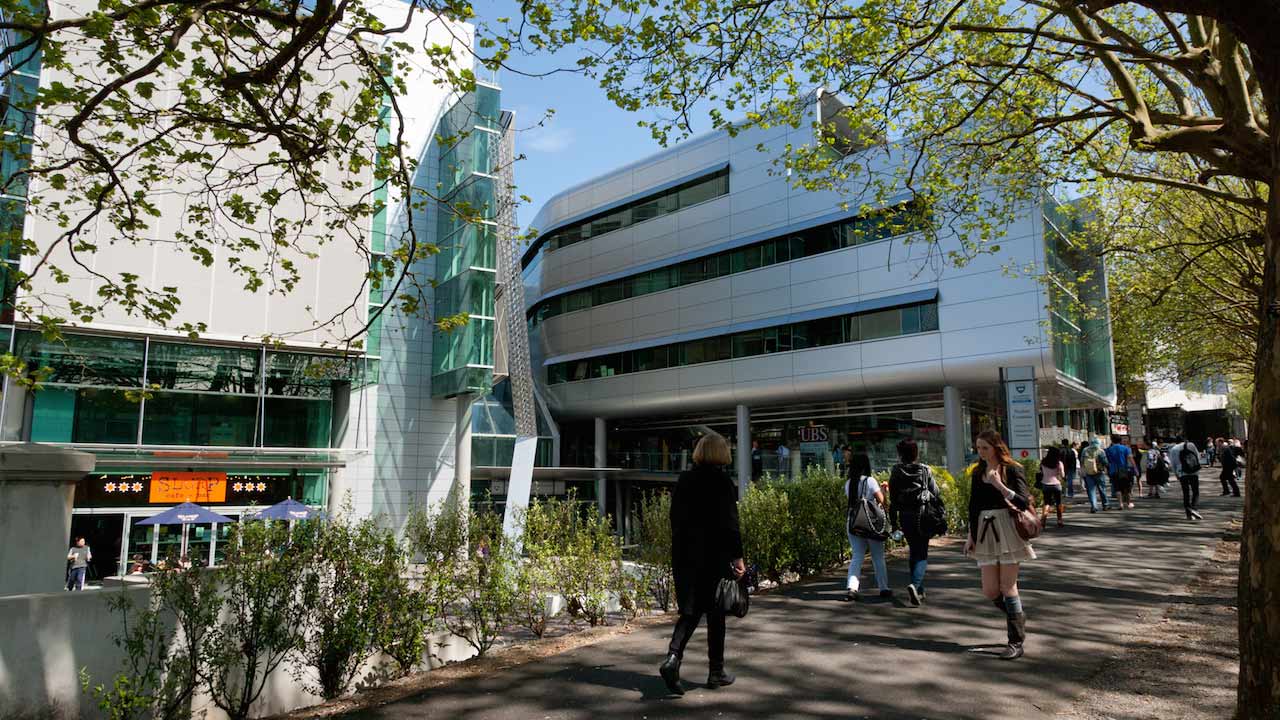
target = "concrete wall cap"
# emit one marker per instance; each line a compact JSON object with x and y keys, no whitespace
{"x":37,"y":462}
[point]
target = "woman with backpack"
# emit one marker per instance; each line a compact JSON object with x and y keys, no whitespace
{"x":1052,"y":473}
{"x":861,"y":486}
{"x":999,"y":488}
{"x":911,"y":489}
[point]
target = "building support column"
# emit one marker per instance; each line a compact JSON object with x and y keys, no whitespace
{"x":953,"y":417}
{"x":461,"y":490}
{"x":600,"y":461}
{"x":37,"y":488}
{"x":743,"y":459}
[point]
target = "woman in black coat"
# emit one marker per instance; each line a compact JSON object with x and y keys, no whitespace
{"x":706,"y":545}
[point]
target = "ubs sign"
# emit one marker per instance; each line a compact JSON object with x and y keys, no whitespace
{"x":817,"y":434}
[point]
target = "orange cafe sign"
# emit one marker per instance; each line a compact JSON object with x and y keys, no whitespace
{"x":196,"y":487}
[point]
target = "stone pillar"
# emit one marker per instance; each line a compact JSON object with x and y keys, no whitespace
{"x":37,"y":486}
{"x":956,"y":437}
{"x":743,"y":460}
{"x":601,"y":460}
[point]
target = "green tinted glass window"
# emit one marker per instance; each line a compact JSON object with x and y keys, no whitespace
{"x":105,"y":416}
{"x":83,"y":359}
{"x":296,"y":422}
{"x":176,"y":418}
{"x":206,"y":368}
{"x":305,"y":375}
{"x":881,"y":324}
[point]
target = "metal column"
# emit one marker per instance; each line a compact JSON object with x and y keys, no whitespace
{"x":600,"y":461}
{"x":743,"y":458}
{"x":953,"y":416}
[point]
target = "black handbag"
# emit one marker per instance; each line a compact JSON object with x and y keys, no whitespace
{"x":866,"y":518}
{"x":732,"y":597}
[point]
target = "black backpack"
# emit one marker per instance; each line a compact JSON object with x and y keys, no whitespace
{"x":1190,"y":460}
{"x":933,"y":511}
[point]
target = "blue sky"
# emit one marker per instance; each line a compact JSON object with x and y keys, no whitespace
{"x":587,"y":136}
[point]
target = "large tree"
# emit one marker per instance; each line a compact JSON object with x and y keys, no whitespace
{"x":1172,"y":93}
{"x":262,"y":116}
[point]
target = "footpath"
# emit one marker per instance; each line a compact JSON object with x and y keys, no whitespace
{"x":802,"y":653}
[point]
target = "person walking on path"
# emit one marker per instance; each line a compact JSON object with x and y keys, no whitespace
{"x":1070,"y":461}
{"x":1093,"y":467}
{"x":1157,"y":467}
{"x":1121,"y":466}
{"x":908,"y":480}
{"x":706,"y":545}
{"x":1230,"y":461}
{"x":1052,"y":477}
{"x":998,"y":483}
{"x":80,"y":555}
{"x":1184,"y":460}
{"x":862,"y":485}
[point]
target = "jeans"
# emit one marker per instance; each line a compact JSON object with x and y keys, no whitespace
{"x":1070,"y":483}
{"x":919,"y":549}
{"x":860,"y":546}
{"x":715,"y":637}
{"x":1190,"y":491}
{"x":1095,"y":485}
{"x":75,"y":578}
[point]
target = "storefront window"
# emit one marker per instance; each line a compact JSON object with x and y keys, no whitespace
{"x":83,"y":359}
{"x":84,"y":415}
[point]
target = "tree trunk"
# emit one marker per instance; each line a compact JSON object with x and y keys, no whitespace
{"x":1258,"y":692}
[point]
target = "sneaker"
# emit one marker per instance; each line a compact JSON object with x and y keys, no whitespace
{"x":851,"y":596}
{"x":1130,"y":506}
{"x":884,"y":594}
{"x":1196,"y":515}
{"x":913,"y":595}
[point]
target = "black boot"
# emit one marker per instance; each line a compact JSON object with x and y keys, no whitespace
{"x":719,"y":678}
{"x":999,"y":603}
{"x":670,"y":672}
{"x":1017,"y":624}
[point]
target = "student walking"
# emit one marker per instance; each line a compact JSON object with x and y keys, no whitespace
{"x":862,"y":485}
{"x":1052,"y":474}
{"x":1121,"y":466}
{"x":1093,"y":467}
{"x":1230,"y":460}
{"x":706,"y":545}
{"x":1070,"y":461}
{"x":1157,"y":466}
{"x":998,"y":485}
{"x":1185,"y":461}
{"x":908,"y":481}
{"x":80,"y":555}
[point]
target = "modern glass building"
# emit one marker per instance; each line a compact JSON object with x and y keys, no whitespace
{"x":698,"y":289}
{"x":234,"y":423}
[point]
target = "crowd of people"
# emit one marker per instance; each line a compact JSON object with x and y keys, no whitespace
{"x":707,"y":540}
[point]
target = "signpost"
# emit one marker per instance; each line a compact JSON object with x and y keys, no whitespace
{"x":1021,"y":411}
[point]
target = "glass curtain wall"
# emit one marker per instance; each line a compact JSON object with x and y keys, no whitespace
{"x":1078,"y":311}
{"x":124,"y":391}
{"x":466,"y":268}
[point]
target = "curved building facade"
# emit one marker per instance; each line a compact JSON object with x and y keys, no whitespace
{"x":698,"y":285}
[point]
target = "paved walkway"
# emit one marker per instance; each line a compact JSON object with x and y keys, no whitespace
{"x":803,"y":654}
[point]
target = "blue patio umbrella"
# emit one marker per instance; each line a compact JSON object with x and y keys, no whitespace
{"x":288,"y":509}
{"x":184,"y":515}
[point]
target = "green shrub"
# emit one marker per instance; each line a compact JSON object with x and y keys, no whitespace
{"x":654,"y":531}
{"x":955,"y":495}
{"x":817,"y":529}
{"x":764,"y":514}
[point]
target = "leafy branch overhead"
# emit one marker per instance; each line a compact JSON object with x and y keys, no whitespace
{"x":250,"y":128}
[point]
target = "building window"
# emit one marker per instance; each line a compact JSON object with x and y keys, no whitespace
{"x":892,"y":322}
{"x":870,"y":227}
{"x":700,"y":190}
